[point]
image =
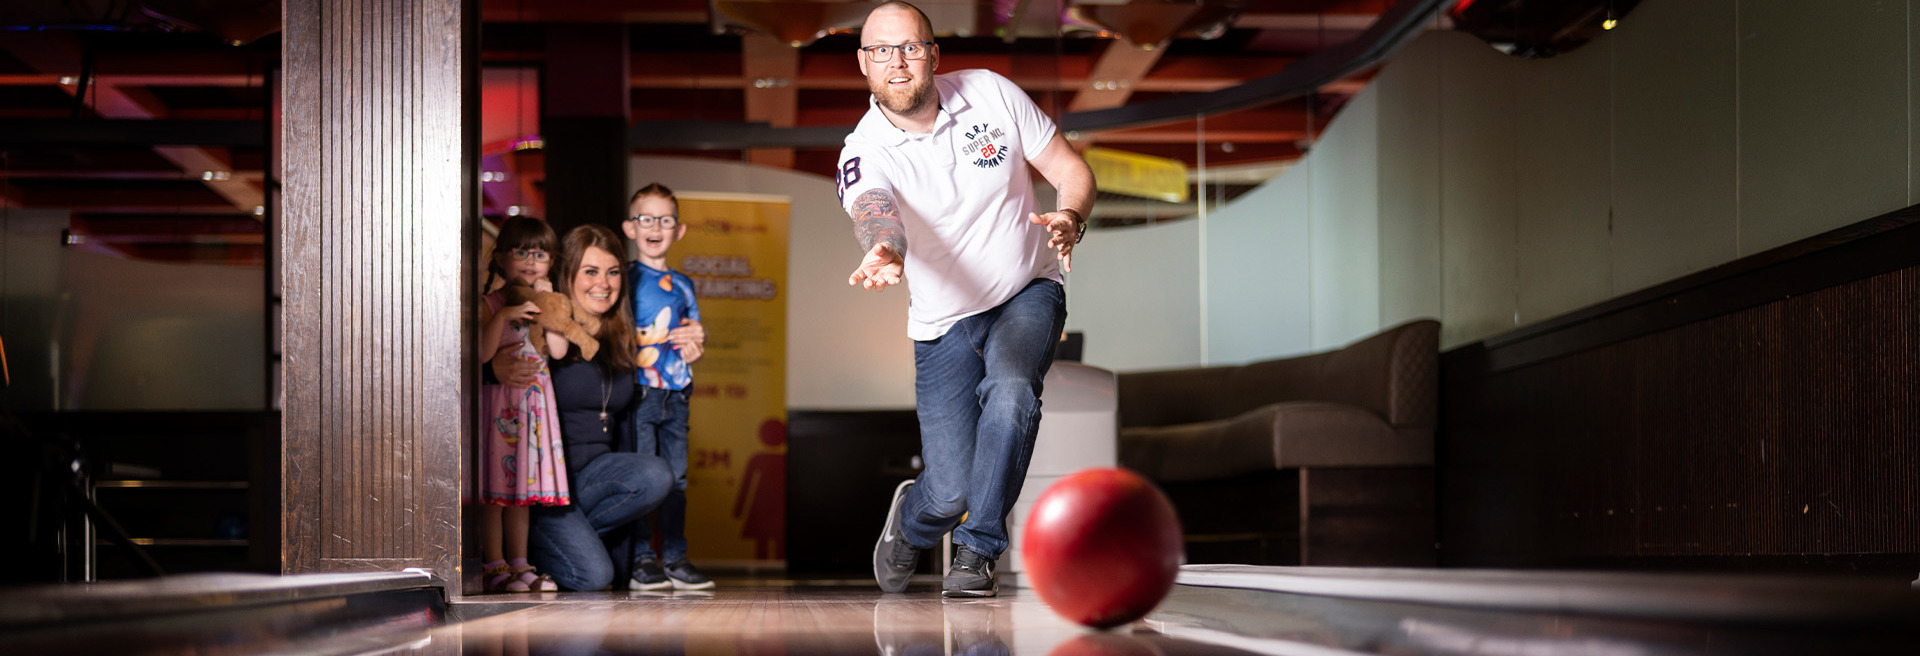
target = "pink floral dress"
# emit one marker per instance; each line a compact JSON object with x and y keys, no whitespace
{"x":521,"y":462}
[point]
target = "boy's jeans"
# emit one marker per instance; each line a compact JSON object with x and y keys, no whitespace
{"x":660,"y":428}
{"x":978,"y":394}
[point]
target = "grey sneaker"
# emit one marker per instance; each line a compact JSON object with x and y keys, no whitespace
{"x":647,"y":575}
{"x":686,"y":577}
{"x":971,"y":576}
{"x":893,"y":557}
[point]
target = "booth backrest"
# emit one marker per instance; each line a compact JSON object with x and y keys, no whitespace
{"x":1394,"y":373}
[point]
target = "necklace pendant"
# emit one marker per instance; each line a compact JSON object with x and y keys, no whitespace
{"x":603,"y":422}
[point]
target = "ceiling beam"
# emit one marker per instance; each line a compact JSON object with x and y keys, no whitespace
{"x":1346,"y":87}
{"x":59,"y":54}
{"x":176,"y":80}
{"x":598,"y":11}
{"x":182,"y":229}
{"x":1363,"y":52}
{"x":839,"y":71}
{"x":853,"y":82}
{"x":130,"y":132}
{"x":1341,"y":22}
{"x":150,"y":197}
{"x":92,"y":174}
{"x":114,"y":203}
{"x":181,"y":235}
{"x":1121,"y":67}
{"x":1344,"y":22}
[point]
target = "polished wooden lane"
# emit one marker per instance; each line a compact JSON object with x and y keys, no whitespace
{"x":1214,"y":610}
{"x":783,"y":617}
{"x":398,"y":614}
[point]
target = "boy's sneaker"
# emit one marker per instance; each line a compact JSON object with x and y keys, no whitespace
{"x":893,"y":557}
{"x":647,"y":575}
{"x":686,"y":577}
{"x":971,"y":576}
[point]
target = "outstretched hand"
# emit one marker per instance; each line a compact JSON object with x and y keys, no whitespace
{"x":880,"y":269}
{"x":1066,"y":233}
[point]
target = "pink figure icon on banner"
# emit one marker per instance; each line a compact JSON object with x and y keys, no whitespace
{"x":764,"y":483}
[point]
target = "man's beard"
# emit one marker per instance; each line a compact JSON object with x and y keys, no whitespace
{"x":905,"y":102}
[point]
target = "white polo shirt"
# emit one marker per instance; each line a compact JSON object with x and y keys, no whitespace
{"x":964,"y":193}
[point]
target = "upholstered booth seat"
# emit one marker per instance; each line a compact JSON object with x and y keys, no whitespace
{"x":1318,"y":459}
{"x":1285,"y":435}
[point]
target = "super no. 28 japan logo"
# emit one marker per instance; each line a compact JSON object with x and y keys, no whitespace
{"x":985,"y":145}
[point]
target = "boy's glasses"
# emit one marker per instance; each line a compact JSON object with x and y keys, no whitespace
{"x":665,"y":221}
{"x":909,"y":50}
{"x":530,"y":254}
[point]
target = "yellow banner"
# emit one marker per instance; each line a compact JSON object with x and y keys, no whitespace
{"x":1134,"y":174}
{"x":736,"y":253}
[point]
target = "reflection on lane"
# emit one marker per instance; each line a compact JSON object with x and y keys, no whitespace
{"x":746,"y":621}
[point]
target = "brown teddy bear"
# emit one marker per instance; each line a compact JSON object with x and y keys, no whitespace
{"x":556,"y":313}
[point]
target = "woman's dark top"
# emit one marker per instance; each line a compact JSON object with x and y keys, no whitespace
{"x":579,"y":386}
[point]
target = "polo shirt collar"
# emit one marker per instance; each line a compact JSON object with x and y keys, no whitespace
{"x":876,"y":125}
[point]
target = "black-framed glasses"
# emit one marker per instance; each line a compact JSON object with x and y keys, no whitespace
{"x":534,"y":254}
{"x":665,"y":221}
{"x":910,"y":50}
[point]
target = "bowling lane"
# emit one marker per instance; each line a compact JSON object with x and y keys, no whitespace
{"x":1217,"y":609}
{"x":777,"y":617}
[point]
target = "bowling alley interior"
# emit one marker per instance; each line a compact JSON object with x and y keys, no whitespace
{"x":1397,"y":327}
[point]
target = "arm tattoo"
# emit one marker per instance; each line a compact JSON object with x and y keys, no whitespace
{"x":877,"y":221}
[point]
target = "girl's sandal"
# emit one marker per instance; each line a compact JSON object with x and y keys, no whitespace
{"x":537,"y":581}
{"x":500,"y":579}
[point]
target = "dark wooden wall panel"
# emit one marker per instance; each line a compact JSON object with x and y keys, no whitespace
{"x":1782,"y":435}
{"x":379,"y":159}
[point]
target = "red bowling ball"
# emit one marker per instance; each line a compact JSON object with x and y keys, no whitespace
{"x":1102,"y":547}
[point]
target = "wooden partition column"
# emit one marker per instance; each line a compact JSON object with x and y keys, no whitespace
{"x":380,"y":100}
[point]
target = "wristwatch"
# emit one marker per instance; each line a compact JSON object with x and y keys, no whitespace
{"x":1079,"y":223}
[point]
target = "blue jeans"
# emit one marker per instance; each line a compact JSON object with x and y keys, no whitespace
{"x":660,"y":428}
{"x":610,"y":492}
{"x":977,"y":389}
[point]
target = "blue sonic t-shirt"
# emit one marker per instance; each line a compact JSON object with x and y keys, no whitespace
{"x":660,"y":300}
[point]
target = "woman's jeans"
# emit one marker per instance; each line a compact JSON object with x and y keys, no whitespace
{"x":610,"y":492}
{"x":978,"y":394}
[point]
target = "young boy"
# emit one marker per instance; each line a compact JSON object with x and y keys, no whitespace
{"x":669,"y":339}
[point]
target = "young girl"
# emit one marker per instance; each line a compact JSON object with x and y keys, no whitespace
{"x":521,"y":462}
